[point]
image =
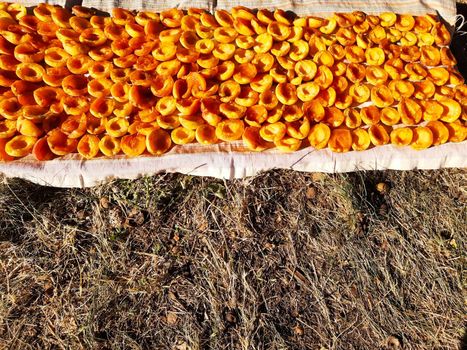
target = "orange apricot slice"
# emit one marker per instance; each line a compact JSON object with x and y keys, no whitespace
{"x":102,"y":107}
{"x":133,"y":145}
{"x":268,"y":99}
{"x":410,"y":53}
{"x":262,"y":83}
{"x":230,"y":130}
{"x":307,"y":91}
{"x":191,"y":121}
{"x":422,"y":24}
{"x":7,"y":128}
{"x":354,"y":54}
{"x":378,"y":135}
{"x":370,"y":115}
{"x":353,"y":118}
{"x":314,"y":110}
{"x":410,"y":111}
{"x":376,"y":75}
{"x":389,"y":116}
{"x":440,"y":132}
{"x":401,"y":136}
{"x":334,"y":117}
{"x":10,"y":108}
{"x":375,"y":56}
{"x":245,"y":73}
{"x":452,"y":110}
{"x":306,"y":69}
{"x":340,"y":140}
{"x":356,"y":72}
{"x":117,"y":127}
{"x":359,"y":92}
{"x":206,"y":134}
{"x":432,"y":110}
{"x":60,"y":144}
{"x":141,"y":97}
{"x":75,"y":85}
{"x":170,"y":121}
{"x":416,"y":71}
{"x":247,"y":97}
{"x":298,"y":129}
{"x":360,"y":139}
{"x":405,"y":23}
{"x":95,"y":126}
{"x":401,"y":89}
{"x":388,"y":19}
{"x":27,"y":127}
{"x":273,"y":132}
{"x":88,"y":146}
{"x":319,"y":135}
{"x":109,"y":146}
{"x":441,"y":34}
{"x":288,"y":144}
{"x":457,"y":131}
{"x":32,"y":72}
{"x":430,"y":56}
{"x":20,"y":146}
{"x":252,"y":139}
{"x":381,"y":96}
{"x":256,"y":115}
{"x":278,"y":30}
{"x":74,"y":126}
{"x":41,"y":150}
{"x":286,"y":93}
{"x":424,"y":89}
{"x":422,"y":138}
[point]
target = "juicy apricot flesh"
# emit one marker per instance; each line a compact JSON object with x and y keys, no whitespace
{"x":138,"y":83}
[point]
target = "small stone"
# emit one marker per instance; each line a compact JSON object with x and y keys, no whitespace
{"x":317,"y":177}
{"x":104,"y":202}
{"x":311,"y":193}
{"x":298,"y":330}
{"x":382,"y":187}
{"x":171,"y":318}
{"x":230,"y":317}
{"x":393,"y":343}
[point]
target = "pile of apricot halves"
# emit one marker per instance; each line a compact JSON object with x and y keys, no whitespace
{"x":139,"y":82}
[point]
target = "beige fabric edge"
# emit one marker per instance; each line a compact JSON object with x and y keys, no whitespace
{"x":222,"y":161}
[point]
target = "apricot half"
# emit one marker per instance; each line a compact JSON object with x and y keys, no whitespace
{"x":60,"y":144}
{"x":319,"y":135}
{"x":340,"y":140}
{"x":41,"y":150}
{"x":378,"y":135}
{"x":288,"y":144}
{"x":109,"y":146}
{"x":440,"y":132}
{"x":230,"y":130}
{"x":88,"y":146}
{"x":452,"y":110}
{"x":158,"y":142}
{"x":401,"y":136}
{"x":252,"y":139}
{"x":410,"y":111}
{"x":422,"y":138}
{"x":360,"y":139}
{"x":272,"y":132}
{"x":206,"y":134}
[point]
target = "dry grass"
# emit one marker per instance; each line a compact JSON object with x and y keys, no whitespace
{"x":283,"y":260}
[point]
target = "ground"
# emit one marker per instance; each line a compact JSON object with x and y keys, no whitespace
{"x":283,"y":260}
